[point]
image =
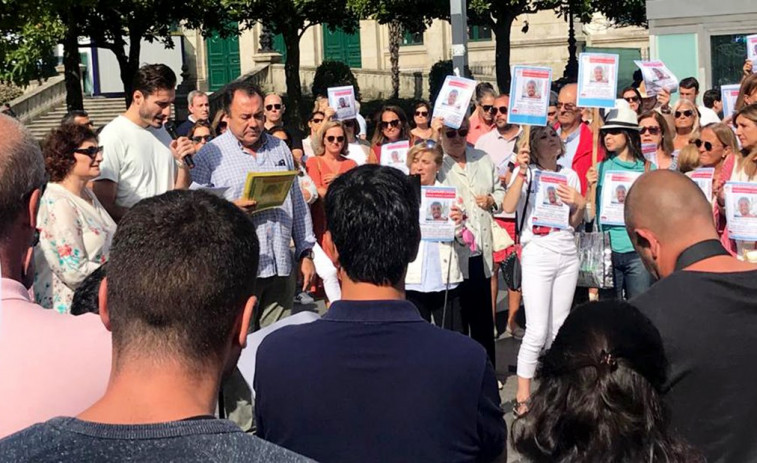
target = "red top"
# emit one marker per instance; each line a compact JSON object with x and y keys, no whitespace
{"x":477,"y":128}
{"x":316,"y":169}
{"x":582,"y":159}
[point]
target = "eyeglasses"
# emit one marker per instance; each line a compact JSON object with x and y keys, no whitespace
{"x":317,"y":121}
{"x":453,"y":133}
{"x":199,"y":138}
{"x":631,"y":99}
{"x":652,"y":130}
{"x":386,"y":124}
{"x":91,"y":151}
{"x":489,"y":109}
{"x":271,"y":107}
{"x":686,"y":113}
{"x":501,"y":109}
{"x":421,"y":114}
{"x":567,"y":106}
{"x":331,"y":138}
{"x":707,"y":145}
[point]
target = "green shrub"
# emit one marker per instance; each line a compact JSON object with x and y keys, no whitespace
{"x":439,"y":71}
{"x":9,"y":92}
{"x":333,"y":74}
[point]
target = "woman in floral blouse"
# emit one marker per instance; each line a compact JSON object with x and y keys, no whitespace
{"x":75,"y":230}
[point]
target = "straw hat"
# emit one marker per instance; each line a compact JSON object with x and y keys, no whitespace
{"x":621,"y":117}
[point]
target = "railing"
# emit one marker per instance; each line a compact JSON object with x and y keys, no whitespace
{"x":40,"y":100}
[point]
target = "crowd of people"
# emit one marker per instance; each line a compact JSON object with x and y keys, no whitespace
{"x":128,"y":297}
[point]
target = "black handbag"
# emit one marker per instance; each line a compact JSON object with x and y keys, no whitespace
{"x":511,"y":269}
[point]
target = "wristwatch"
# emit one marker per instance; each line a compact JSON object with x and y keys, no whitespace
{"x":307,"y":253}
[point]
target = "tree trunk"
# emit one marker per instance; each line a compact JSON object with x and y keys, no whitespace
{"x":292,"y":72}
{"x":395,"y":33}
{"x":502,"y":53}
{"x":71,"y":71}
{"x":130,"y":64}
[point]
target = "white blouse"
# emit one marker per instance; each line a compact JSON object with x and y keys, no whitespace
{"x":74,"y":240}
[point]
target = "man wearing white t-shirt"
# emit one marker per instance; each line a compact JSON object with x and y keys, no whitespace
{"x":139,"y":158}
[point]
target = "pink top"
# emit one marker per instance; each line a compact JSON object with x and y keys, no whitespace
{"x":50,"y":364}
{"x":477,"y":128}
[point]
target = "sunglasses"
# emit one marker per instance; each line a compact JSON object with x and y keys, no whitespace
{"x":488,"y":108}
{"x":567,"y":106}
{"x":430,"y":144}
{"x":270,"y":107}
{"x":502,"y":110}
{"x":331,"y":138}
{"x":199,"y":138}
{"x":612,"y":131}
{"x":631,"y":99}
{"x":707,"y":145}
{"x":421,"y":113}
{"x":650,"y":130}
{"x":91,"y":151}
{"x":386,"y":124}
{"x":687,"y":113}
{"x":453,"y":133}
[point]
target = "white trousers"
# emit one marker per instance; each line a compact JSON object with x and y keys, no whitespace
{"x":548,"y":284}
{"x":326,"y":270}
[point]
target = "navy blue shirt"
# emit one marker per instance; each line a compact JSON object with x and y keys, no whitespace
{"x":373,"y":382}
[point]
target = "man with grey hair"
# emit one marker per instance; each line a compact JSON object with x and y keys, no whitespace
{"x":79,"y":117}
{"x":51,"y":364}
{"x":199,"y":110}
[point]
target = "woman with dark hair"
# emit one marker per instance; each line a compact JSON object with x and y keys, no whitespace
{"x":599,"y":395}
{"x":482,"y":119}
{"x":200,"y":134}
{"x":75,"y":229}
{"x":423,"y":127}
{"x":654,"y":131}
{"x":391,"y":126}
{"x":620,"y":139}
{"x":219,"y":124}
{"x":633,"y":97}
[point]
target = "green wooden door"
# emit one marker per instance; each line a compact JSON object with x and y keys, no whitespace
{"x":223,"y":60}
{"x":279,"y":46}
{"x":341,"y":46}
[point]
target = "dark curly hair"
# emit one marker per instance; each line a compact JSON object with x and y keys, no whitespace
{"x":58,"y":149}
{"x":599,"y":394}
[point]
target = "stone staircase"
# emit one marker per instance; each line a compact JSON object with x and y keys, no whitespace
{"x":101,"y":111}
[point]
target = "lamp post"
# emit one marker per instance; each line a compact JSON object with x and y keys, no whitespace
{"x":571,"y":69}
{"x":459,"y":20}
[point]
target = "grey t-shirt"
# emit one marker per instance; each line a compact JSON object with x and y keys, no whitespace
{"x":192,"y":440}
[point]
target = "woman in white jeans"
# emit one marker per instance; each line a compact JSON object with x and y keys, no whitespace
{"x":549,"y":259}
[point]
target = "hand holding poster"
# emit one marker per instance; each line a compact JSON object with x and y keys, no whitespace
{"x":453,"y":100}
{"x":342,"y":99}
{"x":728,"y":95}
{"x":395,"y":155}
{"x":268,"y":189}
{"x":615,"y":186}
{"x":436,"y":203}
{"x":649,"y":150}
{"x":529,"y":95}
{"x":751,"y":51}
{"x":740,"y":205}
{"x":703,"y":178}
{"x":657,"y":76}
{"x":549,"y":210}
{"x":597,"y":80}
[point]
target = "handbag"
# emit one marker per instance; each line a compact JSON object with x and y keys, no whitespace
{"x":595,"y":259}
{"x":511,"y":269}
{"x":500,"y":238}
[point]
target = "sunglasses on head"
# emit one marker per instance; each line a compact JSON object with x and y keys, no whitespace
{"x":91,"y":151}
{"x":421,"y":113}
{"x":707,"y":145}
{"x":686,"y":113}
{"x":393,"y":123}
{"x":332,"y":138}
{"x":453,"y":133}
{"x":199,"y":138}
{"x":651,"y":130}
{"x":430,"y":144}
{"x":270,"y":107}
{"x":489,"y":108}
{"x":631,"y":99}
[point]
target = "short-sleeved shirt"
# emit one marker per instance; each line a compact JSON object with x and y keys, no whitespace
{"x":138,"y":159}
{"x":501,"y":151}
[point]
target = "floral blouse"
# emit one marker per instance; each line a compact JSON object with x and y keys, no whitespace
{"x":74,"y":240}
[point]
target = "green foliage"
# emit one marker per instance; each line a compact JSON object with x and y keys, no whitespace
{"x":9,"y":92}
{"x":333,"y":74}
{"x":26,"y":50}
{"x":413,"y":15}
{"x":439,"y":71}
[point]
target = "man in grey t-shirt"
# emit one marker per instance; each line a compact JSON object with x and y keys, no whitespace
{"x":179,"y":315}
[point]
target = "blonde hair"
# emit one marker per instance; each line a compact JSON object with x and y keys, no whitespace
{"x":724,"y":134}
{"x":319,"y":147}
{"x":694,"y":128}
{"x":421,"y":148}
{"x":748,"y":162}
{"x":688,"y":158}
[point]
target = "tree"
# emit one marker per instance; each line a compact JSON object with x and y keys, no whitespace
{"x":291,"y":18}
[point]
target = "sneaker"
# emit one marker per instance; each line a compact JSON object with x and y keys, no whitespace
{"x":303,"y":298}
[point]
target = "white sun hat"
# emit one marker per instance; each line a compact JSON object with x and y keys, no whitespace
{"x":621,"y":117}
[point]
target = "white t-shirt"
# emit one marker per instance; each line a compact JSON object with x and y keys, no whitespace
{"x":137,"y":159}
{"x":561,"y":241}
{"x":356,"y":152}
{"x":707,"y":116}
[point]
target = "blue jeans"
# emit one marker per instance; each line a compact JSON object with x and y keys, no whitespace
{"x":629,"y":274}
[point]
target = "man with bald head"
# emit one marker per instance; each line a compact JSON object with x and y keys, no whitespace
{"x":575,"y":134}
{"x":704,"y":307}
{"x":274,"y":117}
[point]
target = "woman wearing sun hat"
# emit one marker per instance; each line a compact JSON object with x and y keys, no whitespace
{"x":621,"y":140}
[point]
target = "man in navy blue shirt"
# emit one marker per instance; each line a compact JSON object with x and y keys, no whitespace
{"x":372,"y":381}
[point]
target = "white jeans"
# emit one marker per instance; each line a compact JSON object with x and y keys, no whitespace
{"x":549,"y":281}
{"x":326,"y":270}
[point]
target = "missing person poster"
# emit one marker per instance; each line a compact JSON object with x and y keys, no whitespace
{"x":436,"y":203}
{"x":751,"y":51}
{"x":268,"y":189}
{"x":649,"y":150}
{"x":657,"y":76}
{"x":728,"y":95}
{"x":703,"y":178}
{"x":342,"y":99}
{"x":453,"y":100}
{"x":741,"y":210}
{"x":395,"y":155}
{"x":615,"y":186}
{"x":597,"y":80}
{"x":549,"y":210}
{"x":529,"y":95}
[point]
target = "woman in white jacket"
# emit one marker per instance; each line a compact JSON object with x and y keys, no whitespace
{"x":432,"y":278}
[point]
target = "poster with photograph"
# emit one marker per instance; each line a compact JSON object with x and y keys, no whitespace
{"x":453,"y":100}
{"x":741,"y":210}
{"x":649,"y":150}
{"x":703,"y":178}
{"x":657,"y":76}
{"x":728,"y":95}
{"x":342,"y":99}
{"x":751,"y":51}
{"x":597,"y":80}
{"x":615,"y":186}
{"x":549,"y":210}
{"x":529,"y":95}
{"x":436,"y":203}
{"x":395,"y":155}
